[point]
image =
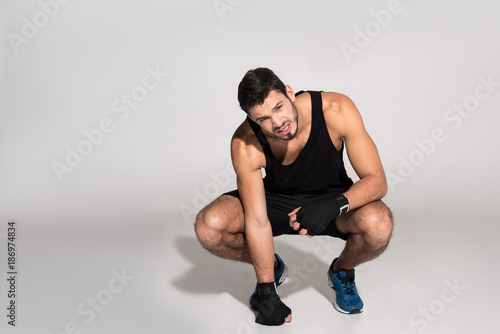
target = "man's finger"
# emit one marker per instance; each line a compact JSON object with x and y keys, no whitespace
{"x":293,"y":216}
{"x":294,"y":211}
{"x":303,"y":231}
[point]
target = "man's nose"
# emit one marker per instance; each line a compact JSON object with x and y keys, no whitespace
{"x":277,"y":121}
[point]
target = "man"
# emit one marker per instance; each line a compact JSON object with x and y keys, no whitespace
{"x":299,"y":140}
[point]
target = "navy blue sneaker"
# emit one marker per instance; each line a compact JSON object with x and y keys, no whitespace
{"x":347,"y":299}
{"x":280,"y":273}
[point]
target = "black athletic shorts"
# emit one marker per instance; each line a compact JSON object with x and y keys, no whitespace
{"x":280,"y":205}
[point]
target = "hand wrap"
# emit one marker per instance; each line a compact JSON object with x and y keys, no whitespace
{"x":315,"y":216}
{"x":272,"y":311}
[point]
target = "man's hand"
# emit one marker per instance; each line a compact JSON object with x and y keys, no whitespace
{"x":272,"y":311}
{"x":313,"y":217}
{"x":296,"y":225}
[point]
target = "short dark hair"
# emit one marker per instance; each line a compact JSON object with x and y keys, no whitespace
{"x":256,"y":86}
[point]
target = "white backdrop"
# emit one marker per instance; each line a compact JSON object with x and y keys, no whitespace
{"x":116,"y":118}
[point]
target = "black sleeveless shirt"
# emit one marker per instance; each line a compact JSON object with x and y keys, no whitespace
{"x":318,"y":168}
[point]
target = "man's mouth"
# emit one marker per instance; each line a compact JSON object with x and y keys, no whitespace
{"x":285,"y":130}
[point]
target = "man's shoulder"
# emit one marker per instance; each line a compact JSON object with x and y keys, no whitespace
{"x":341,"y":115}
{"x":244,"y":135}
{"x":245,"y":145}
{"x":334,"y":102}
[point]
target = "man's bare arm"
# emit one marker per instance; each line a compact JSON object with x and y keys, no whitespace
{"x":247,"y":161}
{"x":361,"y":150}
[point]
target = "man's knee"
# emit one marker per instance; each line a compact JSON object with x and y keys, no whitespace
{"x":372,"y":221}
{"x":378,"y":222}
{"x":208,"y":228}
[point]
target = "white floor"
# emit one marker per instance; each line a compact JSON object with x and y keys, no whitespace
{"x":438,"y":276}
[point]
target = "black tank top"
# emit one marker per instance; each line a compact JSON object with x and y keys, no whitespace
{"x":318,"y":168}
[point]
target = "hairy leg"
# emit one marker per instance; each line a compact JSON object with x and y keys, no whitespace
{"x":219,"y":228}
{"x":369,"y":229}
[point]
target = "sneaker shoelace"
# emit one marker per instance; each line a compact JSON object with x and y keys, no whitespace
{"x":347,"y":283}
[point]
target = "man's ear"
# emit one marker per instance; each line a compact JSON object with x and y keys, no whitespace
{"x":290,"y":93}
{"x":251,"y":117}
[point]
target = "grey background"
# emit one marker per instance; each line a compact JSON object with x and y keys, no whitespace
{"x":130,"y":203}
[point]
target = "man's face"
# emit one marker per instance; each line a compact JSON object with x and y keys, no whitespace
{"x":277,"y":116}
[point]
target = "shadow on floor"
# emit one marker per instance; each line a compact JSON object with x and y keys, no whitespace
{"x":214,"y":275}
